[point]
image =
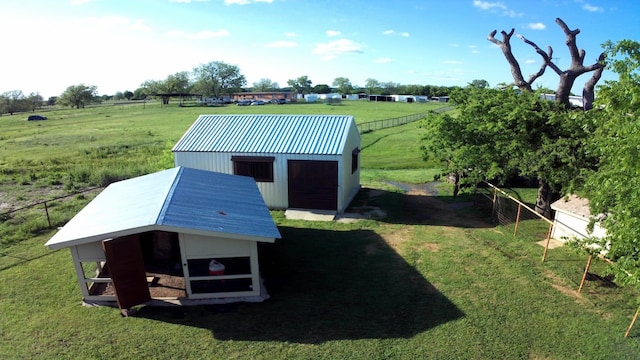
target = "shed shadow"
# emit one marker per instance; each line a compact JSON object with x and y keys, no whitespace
{"x":324,"y":286}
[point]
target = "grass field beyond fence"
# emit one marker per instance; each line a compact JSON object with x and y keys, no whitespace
{"x":433,"y":279}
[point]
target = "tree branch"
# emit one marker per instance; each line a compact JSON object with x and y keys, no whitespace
{"x":505,"y":46}
{"x":546,"y":58}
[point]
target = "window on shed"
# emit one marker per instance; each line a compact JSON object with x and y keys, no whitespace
{"x":354,"y":160}
{"x":260,"y":168}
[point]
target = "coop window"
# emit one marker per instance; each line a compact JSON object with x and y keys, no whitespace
{"x":260,"y":168}
{"x":354,"y":160}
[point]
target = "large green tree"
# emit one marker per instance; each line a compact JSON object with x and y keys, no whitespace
{"x":264,"y":85}
{"x":217,"y":79}
{"x":614,"y":189}
{"x":14,"y":101}
{"x":302,"y":84}
{"x":79,"y":96}
{"x":499,"y":134}
{"x":343,"y":85}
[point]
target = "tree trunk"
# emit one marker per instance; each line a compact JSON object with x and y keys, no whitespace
{"x":545,"y":197}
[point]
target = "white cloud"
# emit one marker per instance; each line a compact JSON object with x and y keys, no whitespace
{"x":592,"y":8}
{"x":485,"y":5}
{"x":332,"y":49}
{"x":393,"y":32}
{"x":382,"y":60}
{"x":333,"y":33}
{"x":282,"y":44}
{"x":530,"y":61}
{"x":536,"y":26}
{"x":242,"y":2}
{"x":454,"y":45}
{"x":79,"y":2}
{"x":496,"y":6}
{"x":187,"y":1}
{"x":290,"y":34}
{"x":201,"y":35}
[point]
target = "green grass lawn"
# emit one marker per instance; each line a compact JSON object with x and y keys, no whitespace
{"x":446,"y":286}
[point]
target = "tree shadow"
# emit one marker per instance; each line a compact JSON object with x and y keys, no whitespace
{"x":325,"y":285}
{"x":421,"y":207}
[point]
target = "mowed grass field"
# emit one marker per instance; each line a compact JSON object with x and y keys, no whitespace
{"x":445,"y":285}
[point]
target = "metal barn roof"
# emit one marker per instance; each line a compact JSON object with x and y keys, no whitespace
{"x":180,"y":200}
{"x":275,"y":134}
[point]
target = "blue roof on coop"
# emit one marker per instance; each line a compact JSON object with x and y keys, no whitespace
{"x":180,"y":200}
{"x":273,"y":134}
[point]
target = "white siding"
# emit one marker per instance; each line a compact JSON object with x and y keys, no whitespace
{"x":202,"y":247}
{"x":276,"y":193}
{"x":571,"y":226}
{"x":349,"y":183}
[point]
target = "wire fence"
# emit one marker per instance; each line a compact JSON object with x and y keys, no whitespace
{"x":516,"y":215}
{"x":45,"y":205}
{"x":387,"y":123}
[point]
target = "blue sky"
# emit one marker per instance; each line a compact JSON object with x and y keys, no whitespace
{"x":48,"y":45}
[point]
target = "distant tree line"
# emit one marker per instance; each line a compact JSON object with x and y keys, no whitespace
{"x":213,"y":79}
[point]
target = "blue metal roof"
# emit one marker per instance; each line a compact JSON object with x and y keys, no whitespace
{"x":274,"y":134}
{"x":179,"y":199}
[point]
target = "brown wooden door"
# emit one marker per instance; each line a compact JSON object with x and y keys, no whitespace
{"x":126,"y":265}
{"x":313,"y":184}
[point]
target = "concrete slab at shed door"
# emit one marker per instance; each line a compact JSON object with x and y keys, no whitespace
{"x":126,"y":265}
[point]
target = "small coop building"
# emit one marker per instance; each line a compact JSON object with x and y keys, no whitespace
{"x":298,"y":161}
{"x":571,"y":219}
{"x":180,"y":235}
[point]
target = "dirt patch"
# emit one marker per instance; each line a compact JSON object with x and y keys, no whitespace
{"x":556,"y":283}
{"x":431,"y":247}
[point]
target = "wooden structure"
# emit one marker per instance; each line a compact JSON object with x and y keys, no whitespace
{"x":139,"y":235}
{"x":298,"y":161}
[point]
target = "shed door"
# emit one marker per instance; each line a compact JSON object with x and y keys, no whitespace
{"x":313,"y":184}
{"x":126,"y":265}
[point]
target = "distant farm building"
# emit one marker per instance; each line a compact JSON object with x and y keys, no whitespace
{"x":268,"y":96}
{"x":182,"y":236}
{"x":298,"y":161}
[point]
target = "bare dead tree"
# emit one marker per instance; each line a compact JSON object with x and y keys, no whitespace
{"x":567,"y":77}
{"x":516,"y":72}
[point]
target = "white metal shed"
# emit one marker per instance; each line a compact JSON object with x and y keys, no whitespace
{"x":572,"y":218}
{"x":298,"y":161}
{"x":194,"y":227}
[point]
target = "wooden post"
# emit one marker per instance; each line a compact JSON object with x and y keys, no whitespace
{"x":46,"y":209}
{"x":632,"y":322}
{"x":586,"y":271}
{"x":546,"y":246}
{"x":495,"y":198}
{"x":515,"y":230}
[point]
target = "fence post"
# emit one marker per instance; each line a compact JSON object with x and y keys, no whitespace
{"x":546,"y":246}
{"x":515,"y":230}
{"x":586,"y":272}
{"x":493,"y":202}
{"x":46,"y":209}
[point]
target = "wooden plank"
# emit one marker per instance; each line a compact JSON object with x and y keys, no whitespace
{"x":126,"y":265}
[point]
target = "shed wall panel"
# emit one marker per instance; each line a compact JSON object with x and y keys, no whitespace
{"x":566,"y":225}
{"x":197,"y":246}
{"x":275,"y":194}
{"x":90,"y":251}
{"x":349,"y":183}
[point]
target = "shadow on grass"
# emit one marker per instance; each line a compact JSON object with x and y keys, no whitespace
{"x":326,"y":285}
{"x":409,"y":208}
